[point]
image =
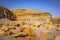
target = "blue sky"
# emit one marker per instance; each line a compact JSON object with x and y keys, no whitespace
{"x":52,"y":6}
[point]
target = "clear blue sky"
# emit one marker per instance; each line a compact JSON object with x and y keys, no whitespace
{"x":52,"y":6}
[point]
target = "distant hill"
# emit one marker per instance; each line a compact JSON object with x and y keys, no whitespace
{"x":56,"y":20}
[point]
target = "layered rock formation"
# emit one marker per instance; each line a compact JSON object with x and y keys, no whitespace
{"x":6,"y":13}
{"x":29,"y":25}
{"x":23,"y":14}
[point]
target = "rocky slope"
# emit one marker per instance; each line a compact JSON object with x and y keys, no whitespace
{"x":29,"y":25}
{"x":6,"y":13}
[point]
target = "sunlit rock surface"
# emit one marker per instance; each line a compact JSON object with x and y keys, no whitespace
{"x":29,"y":25}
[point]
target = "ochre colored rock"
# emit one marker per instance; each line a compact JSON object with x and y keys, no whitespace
{"x":23,"y":14}
{"x":57,"y":37}
{"x":1,"y":32}
{"x":29,"y":31}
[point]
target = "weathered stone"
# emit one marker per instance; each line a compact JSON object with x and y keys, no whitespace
{"x":29,"y":31}
{"x":4,"y":27}
{"x":1,"y":32}
{"x":6,"y":13}
{"x":22,"y":34}
{"x":14,"y":31}
{"x":58,"y":27}
{"x":57,"y":37}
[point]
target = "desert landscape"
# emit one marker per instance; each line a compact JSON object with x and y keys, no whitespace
{"x":28,"y":24}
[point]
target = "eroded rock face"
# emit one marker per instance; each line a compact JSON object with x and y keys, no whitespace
{"x":29,"y":24}
{"x":6,"y":13}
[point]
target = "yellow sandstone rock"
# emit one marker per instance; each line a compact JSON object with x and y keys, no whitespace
{"x":29,"y":31}
{"x":1,"y":32}
{"x":43,"y":38}
{"x":5,"y":28}
{"x":34,"y":27}
{"x":33,"y":17}
{"x":58,"y":28}
{"x":45,"y":32}
{"x":10,"y":27}
{"x":57,"y":37}
{"x":50,"y":26}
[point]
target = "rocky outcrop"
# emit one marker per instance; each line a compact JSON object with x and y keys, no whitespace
{"x":29,"y":24}
{"x":30,"y":12}
{"x":19,"y":13}
{"x":6,"y":13}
